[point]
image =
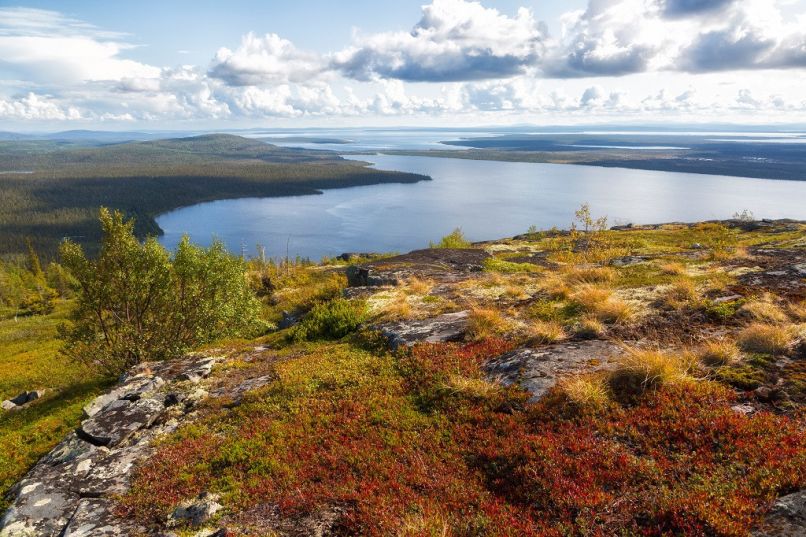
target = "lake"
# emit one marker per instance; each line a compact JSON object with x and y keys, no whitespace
{"x":487,"y":199}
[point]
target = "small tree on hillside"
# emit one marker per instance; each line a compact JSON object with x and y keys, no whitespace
{"x":136,"y":302}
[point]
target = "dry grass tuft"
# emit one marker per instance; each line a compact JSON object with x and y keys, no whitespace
{"x":588,"y":392}
{"x":600,"y":303}
{"x":590,"y":327}
{"x":764,"y":309}
{"x":680,"y":293}
{"x":399,"y":308}
{"x":578,"y":275}
{"x":766,"y":338}
{"x":640,"y":370}
{"x":475,"y":388}
{"x":555,"y":287}
{"x":798,"y":310}
{"x":719,"y":352}
{"x":544,"y":332}
{"x":486,"y":322}
{"x":674,"y":269}
{"x":589,"y":296}
{"x":418,"y":286}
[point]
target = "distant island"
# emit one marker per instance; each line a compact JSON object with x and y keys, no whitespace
{"x":721,"y":154}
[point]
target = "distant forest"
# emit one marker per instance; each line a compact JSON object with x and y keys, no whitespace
{"x":51,"y":192}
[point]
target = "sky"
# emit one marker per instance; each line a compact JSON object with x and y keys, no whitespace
{"x":200,"y":64}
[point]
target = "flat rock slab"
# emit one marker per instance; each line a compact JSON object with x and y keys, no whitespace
{"x":133,"y":388}
{"x":440,"y":264}
{"x":444,"y":328}
{"x":538,"y":370}
{"x":38,"y":510}
{"x":786,"y":519}
{"x":119,"y":420}
{"x":94,"y":517}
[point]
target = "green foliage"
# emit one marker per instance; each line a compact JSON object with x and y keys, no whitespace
{"x":454,"y":239}
{"x":138,"y":303}
{"x":722,"y":311}
{"x":330,"y":320}
{"x":30,"y":359}
{"x":493,"y":264}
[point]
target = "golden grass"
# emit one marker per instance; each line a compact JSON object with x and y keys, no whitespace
{"x":590,"y":327}
{"x":418,"y":286}
{"x":486,"y":322}
{"x":399,"y":308}
{"x":798,"y":310}
{"x":543,"y":332}
{"x":586,"y":391}
{"x":764,"y":309}
{"x":589,"y":296}
{"x":766,"y":338}
{"x":680,"y":293}
{"x":673,"y":269}
{"x":613,"y":311}
{"x":719,"y":352}
{"x":639,"y":370}
{"x":555,"y":287}
{"x":578,"y":275}
{"x":600,"y":303}
{"x":472,"y":387}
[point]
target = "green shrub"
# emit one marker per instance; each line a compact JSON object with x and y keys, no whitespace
{"x":455,"y":239}
{"x":330,"y":320}
{"x":137,"y":302}
{"x":493,"y":264}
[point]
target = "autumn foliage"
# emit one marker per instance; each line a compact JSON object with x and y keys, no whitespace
{"x":422,"y":444}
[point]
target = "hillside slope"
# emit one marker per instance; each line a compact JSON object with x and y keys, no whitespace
{"x":647,"y":380}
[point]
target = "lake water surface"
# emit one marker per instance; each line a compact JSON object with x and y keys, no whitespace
{"x":488,"y":200}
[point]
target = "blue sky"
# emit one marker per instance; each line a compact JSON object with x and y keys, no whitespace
{"x":204,"y":64}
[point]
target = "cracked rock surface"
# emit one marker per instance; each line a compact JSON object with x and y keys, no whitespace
{"x":69,"y":491}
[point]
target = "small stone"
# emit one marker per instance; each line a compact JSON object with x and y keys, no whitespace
{"x":20,"y":399}
{"x":729,"y":298}
{"x":696,"y":246}
{"x":743,"y":409}
{"x":197,"y":511}
{"x":174,"y":398}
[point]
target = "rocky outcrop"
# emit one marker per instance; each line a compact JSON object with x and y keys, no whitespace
{"x":538,"y":370}
{"x":69,"y":491}
{"x":438,"y":264}
{"x":443,"y":328}
{"x":787,"y":518}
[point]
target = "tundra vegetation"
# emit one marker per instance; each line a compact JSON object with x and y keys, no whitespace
{"x":694,"y":426}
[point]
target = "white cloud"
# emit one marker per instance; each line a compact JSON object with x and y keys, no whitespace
{"x":454,"y":40}
{"x":36,"y":107}
{"x":48,"y":48}
{"x":462,"y":60}
{"x":264,"y":60}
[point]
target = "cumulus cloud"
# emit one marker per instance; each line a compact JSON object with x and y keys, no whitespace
{"x":609,"y":38}
{"x":36,"y":107}
{"x":461,"y":59}
{"x":454,"y":40}
{"x":264,"y":60}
